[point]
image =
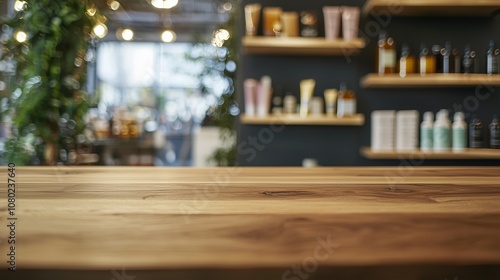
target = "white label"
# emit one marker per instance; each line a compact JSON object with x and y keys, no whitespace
{"x":346,"y":107}
{"x":389,"y":58}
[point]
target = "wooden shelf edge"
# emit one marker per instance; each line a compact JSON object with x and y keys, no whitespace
{"x":418,"y":155}
{"x":429,"y":80}
{"x":287,"y":119}
{"x":441,"y":8}
{"x":300,"y":46}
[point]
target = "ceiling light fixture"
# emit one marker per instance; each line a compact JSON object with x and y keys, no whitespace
{"x":127,"y":34}
{"x":164,"y":4}
{"x":168,"y":36}
{"x":100,"y":30}
{"x":114,"y":5}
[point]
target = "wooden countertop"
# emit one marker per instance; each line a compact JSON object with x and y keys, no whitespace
{"x":161,"y":218}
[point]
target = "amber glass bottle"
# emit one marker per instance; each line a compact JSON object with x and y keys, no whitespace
{"x":427,"y":61}
{"x":407,"y":62}
{"x":346,"y":102}
{"x":385,"y":59}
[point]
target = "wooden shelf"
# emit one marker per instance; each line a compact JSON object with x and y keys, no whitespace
{"x":429,"y":80}
{"x":469,"y":154}
{"x":440,"y":8}
{"x":300,"y":46}
{"x":289,"y":119}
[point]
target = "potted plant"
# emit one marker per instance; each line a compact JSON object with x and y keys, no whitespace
{"x":49,"y":42}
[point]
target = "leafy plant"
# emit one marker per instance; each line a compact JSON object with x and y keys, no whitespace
{"x":48,"y":104}
{"x":224,"y":115}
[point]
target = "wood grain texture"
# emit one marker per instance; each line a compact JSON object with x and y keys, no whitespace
{"x":429,"y":80}
{"x":93,"y":218}
{"x":300,"y":46}
{"x":295,"y":119}
{"x":439,"y":8}
{"x":424,"y":155}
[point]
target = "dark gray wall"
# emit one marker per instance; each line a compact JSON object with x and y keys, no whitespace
{"x":336,"y":145}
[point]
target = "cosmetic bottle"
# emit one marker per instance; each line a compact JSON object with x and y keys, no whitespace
{"x":308,"y":24}
{"x":495,"y":133}
{"x":476,"y":133}
{"x":271,"y":21}
{"x":346,"y":102}
{"x":277,"y":107}
{"x":426,"y":132}
{"x":467,"y":61}
{"x":263,"y":98}
{"x":386,"y":55}
{"x":427,"y":61}
{"x":250,"y":87}
{"x":306,"y":93}
{"x":442,"y":131}
{"x":455,"y":61}
{"x":445,"y":59}
{"x":252,"y":18}
{"x":492,"y":59}
{"x":331,"y":101}
{"x":459,"y":133}
{"x":436,"y":52}
{"x":290,"y":104}
{"x":475,"y":62}
{"x":407,"y":62}
{"x":317,"y":106}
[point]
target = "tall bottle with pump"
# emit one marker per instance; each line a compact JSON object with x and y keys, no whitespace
{"x":476,"y":133}
{"x":447,"y":64}
{"x":492,"y":59}
{"x":442,"y":132}
{"x":495,"y":133}
{"x":459,"y":133}
{"x":468,"y":61}
{"x":426,"y":132}
{"x":386,"y":55}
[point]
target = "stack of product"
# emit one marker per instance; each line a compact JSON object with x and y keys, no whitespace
{"x":398,"y":131}
{"x":382,"y":134}
{"x":393,"y":130}
{"x":407,"y":130}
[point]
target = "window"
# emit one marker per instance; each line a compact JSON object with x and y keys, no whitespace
{"x":165,"y":88}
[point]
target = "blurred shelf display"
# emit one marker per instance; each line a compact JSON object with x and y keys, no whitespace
{"x":467,"y":154}
{"x":300,"y":46}
{"x":429,"y":80}
{"x":295,"y":119}
{"x":483,"y":8}
{"x":130,"y":151}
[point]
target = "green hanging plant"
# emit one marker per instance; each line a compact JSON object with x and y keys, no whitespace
{"x":48,"y":103}
{"x":224,"y":115}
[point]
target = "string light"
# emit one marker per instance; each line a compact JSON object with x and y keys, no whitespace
{"x":21,"y":36}
{"x":100,"y":30}
{"x":20,"y":5}
{"x":220,"y":36}
{"x":127,"y":34}
{"x":168,"y":36}
{"x":114,"y":5}
{"x":164,"y":4}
